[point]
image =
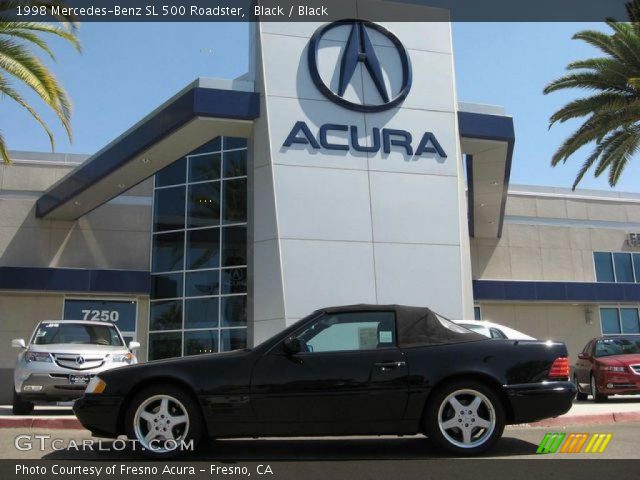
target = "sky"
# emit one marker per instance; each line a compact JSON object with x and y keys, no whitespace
{"x":128,"y":69}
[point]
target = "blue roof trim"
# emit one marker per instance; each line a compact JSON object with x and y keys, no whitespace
{"x":75,"y":280}
{"x":196,"y":102}
{"x":510,"y":290}
{"x":491,"y":127}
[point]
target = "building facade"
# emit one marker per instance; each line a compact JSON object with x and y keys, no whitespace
{"x":340,"y":169}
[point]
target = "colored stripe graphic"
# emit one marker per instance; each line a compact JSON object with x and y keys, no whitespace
{"x":573,"y":443}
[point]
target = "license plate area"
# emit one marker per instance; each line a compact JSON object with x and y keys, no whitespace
{"x":78,"y":379}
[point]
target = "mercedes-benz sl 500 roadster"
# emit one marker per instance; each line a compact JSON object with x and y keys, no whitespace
{"x":354,"y":370}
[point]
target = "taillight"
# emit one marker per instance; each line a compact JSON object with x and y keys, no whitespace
{"x":559,"y":368}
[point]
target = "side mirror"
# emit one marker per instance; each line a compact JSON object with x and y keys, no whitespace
{"x":134,"y":345}
{"x":18,"y":343}
{"x":583,"y":356}
{"x":292,"y":345}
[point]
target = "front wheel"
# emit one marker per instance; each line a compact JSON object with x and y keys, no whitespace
{"x":20,"y":406}
{"x":163,"y":419}
{"x":597,"y":396}
{"x":464,"y":417}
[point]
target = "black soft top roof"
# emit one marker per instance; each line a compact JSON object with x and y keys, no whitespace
{"x":416,"y":326}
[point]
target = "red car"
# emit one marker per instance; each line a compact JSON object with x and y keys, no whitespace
{"x":608,"y":366}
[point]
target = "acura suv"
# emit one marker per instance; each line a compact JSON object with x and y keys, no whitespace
{"x":61,"y":358}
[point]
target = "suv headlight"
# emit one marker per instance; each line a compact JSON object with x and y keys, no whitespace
{"x":38,"y":357}
{"x":124,"y":357}
{"x":610,"y":368}
{"x":96,"y":385}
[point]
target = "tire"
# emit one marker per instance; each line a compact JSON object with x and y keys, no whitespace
{"x":579,"y":396}
{"x":597,"y":396}
{"x":20,"y":406}
{"x":162,"y":413}
{"x":444,"y":408}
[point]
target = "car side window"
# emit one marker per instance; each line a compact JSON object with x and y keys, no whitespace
{"x":350,"y":331}
{"x":495,"y":333}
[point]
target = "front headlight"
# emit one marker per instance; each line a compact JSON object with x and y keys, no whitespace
{"x":129,"y":358}
{"x":611,"y":368}
{"x":96,"y":385}
{"x":38,"y":357}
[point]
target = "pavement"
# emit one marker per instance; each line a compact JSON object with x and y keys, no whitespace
{"x":617,"y":409}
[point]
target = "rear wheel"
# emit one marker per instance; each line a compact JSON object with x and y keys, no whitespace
{"x":20,"y":406}
{"x":162,"y":418}
{"x":579,"y":396}
{"x":464,"y":417}
{"x":597,"y":396}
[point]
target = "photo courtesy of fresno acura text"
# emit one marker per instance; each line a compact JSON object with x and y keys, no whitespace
{"x":357,"y":239}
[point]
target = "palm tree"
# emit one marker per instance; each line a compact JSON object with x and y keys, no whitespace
{"x":19,"y":62}
{"x":613,"y":110}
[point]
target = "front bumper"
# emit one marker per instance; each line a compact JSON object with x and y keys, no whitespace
{"x":50,"y":387}
{"x":100,"y":414}
{"x":536,"y":401}
{"x":618,"y":383}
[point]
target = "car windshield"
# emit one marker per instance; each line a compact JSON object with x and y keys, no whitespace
{"x":77,"y":333}
{"x":617,"y":346}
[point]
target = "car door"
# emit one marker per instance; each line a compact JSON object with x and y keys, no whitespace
{"x":583,"y":366}
{"x":348,"y":376}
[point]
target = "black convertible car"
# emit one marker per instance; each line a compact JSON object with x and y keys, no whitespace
{"x":362,"y":369}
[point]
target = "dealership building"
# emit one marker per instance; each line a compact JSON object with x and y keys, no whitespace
{"x":341,"y":169}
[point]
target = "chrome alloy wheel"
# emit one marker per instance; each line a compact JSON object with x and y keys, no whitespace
{"x":160,"y":423}
{"x":466,"y":418}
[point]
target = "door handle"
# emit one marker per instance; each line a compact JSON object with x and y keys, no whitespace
{"x":389,"y":365}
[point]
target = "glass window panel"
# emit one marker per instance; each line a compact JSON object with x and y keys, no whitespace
{"x":165,"y":345}
{"x":168,"y":209}
{"x":604,"y":267}
{"x":174,"y":174}
{"x":203,"y":341}
{"x":234,"y":142}
{"x":234,"y":311}
{"x":234,"y":339}
{"x":165,"y":315}
{"x":630,"y":320}
{"x":235,"y":201}
{"x":234,"y":246}
{"x":610,"y":321}
{"x":477,"y":314}
{"x":168,"y":252}
{"x":201,"y":313}
{"x":166,"y":286}
{"x":636,"y":265}
{"x":234,"y":280}
{"x":204,"y":205}
{"x":203,"y":248}
{"x":204,"y":167}
{"x":214,"y":145}
{"x":624,"y":268}
{"x":200,"y":284}
{"x":235,"y":164}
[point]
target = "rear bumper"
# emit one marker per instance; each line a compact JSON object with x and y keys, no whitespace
{"x":536,"y":401}
{"x":99,"y":414}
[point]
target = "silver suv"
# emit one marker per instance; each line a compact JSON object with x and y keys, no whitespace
{"x":61,"y":358}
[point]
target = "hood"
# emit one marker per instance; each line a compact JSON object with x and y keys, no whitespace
{"x":620,"y":360}
{"x":77,"y":349}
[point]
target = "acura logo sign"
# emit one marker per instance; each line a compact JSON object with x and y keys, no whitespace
{"x":360,"y":50}
{"x":79,"y":360}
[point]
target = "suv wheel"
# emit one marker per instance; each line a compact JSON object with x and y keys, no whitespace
{"x":20,"y":406}
{"x":162,"y":418}
{"x":464,"y":417}
{"x":597,"y":396}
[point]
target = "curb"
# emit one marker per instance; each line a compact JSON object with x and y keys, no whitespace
{"x":70,"y":423}
{"x":594,"y":419}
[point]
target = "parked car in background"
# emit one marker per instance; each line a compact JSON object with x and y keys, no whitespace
{"x":493,"y":330}
{"x":61,"y":357}
{"x":608,"y":365}
{"x":353,"y":370}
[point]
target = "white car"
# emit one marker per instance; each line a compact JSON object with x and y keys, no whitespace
{"x":493,"y":330}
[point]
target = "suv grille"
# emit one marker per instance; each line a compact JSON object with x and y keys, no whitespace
{"x":78,"y":362}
